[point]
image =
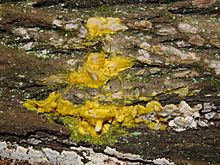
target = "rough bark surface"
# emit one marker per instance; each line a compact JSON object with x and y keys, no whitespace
{"x":44,"y":37}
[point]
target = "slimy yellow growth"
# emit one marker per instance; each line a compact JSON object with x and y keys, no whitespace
{"x":99,"y":26}
{"x":98,"y":69}
{"x":95,"y":119}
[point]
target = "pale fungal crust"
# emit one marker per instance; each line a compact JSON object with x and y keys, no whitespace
{"x":99,"y":26}
{"x":98,"y":69}
{"x":128,"y":156}
{"x":183,"y":116}
{"x":164,"y":161}
{"x":74,"y":155}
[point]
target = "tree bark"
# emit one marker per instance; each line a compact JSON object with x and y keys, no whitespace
{"x":42,"y":39}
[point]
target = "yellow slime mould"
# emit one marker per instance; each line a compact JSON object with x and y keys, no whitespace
{"x":99,"y":26}
{"x":98,"y":69}
{"x":47,"y":105}
{"x":94,"y":118}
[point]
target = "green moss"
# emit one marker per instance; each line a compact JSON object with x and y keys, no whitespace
{"x":135,"y":134}
{"x":108,"y":138}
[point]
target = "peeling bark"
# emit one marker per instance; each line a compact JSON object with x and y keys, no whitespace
{"x":176,"y":47}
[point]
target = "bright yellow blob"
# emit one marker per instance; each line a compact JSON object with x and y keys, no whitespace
{"x":99,"y":26}
{"x":94,"y":118}
{"x":98,"y":69}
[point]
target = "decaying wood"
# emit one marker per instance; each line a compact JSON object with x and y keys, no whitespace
{"x":186,"y":32}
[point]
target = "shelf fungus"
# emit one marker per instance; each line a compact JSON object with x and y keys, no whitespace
{"x":95,"y":119}
{"x":183,"y":116}
{"x":100,"y":26}
{"x":98,"y":69}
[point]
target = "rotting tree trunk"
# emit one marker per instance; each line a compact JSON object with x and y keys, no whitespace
{"x":184,"y":41}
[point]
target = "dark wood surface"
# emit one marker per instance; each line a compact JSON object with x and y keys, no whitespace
{"x":21,"y":72}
